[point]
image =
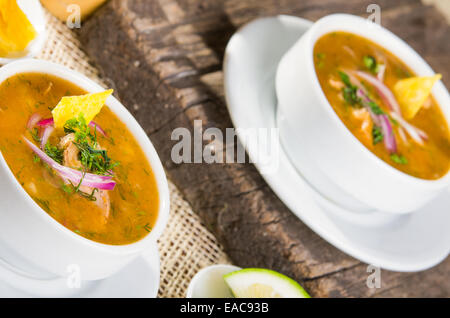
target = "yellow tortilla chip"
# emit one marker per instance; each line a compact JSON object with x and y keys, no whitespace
{"x":70,"y":107}
{"x":16,"y":31}
{"x":412,"y":92}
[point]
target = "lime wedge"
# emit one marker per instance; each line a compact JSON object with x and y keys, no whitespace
{"x":263,"y":283}
{"x":412,"y":92}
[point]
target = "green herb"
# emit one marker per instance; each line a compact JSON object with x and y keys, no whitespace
{"x":402,"y":73}
{"x":345,"y":78}
{"x":44,"y":204}
{"x":35,"y":134}
{"x":113,"y":210}
{"x":320,"y":59}
{"x":377,"y":135}
{"x":147,"y":227}
{"x":393,"y":121}
{"x":24,"y":80}
{"x":371,"y":63}
{"x":376,"y":109}
{"x":79,"y":127}
{"x":38,"y":104}
{"x":76,"y":189}
{"x":91,"y":196}
{"x":320,"y":55}
{"x":122,"y":196}
{"x":400,"y":159}
{"x":349,"y":91}
{"x":54,"y":152}
{"x":36,"y":159}
{"x":93,"y":159}
{"x":67,"y":189}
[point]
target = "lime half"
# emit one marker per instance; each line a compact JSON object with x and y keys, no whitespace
{"x":263,"y":283}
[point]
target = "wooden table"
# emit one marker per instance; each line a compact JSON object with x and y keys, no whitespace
{"x":164,"y":59}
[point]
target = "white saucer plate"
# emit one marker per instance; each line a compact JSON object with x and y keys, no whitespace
{"x":139,"y":279}
{"x":412,"y":242}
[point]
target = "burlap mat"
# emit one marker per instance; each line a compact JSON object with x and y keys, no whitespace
{"x":186,"y":245}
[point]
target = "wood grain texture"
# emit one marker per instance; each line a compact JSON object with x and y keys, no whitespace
{"x":164,"y":60}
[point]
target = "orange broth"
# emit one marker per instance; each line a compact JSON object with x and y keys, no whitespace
{"x":341,"y":51}
{"x":133,"y":202}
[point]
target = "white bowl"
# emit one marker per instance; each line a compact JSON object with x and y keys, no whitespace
{"x":43,"y":241}
{"x":35,"y":14}
{"x":320,"y":146}
{"x":209,"y":282}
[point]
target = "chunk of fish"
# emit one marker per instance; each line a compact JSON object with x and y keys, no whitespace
{"x":70,"y":159}
{"x":101,"y":200}
{"x":362,"y":116}
{"x":71,"y":152}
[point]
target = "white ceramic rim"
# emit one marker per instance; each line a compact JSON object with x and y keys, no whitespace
{"x":45,"y":67}
{"x":35,"y":14}
{"x":419,"y":63}
{"x":205,"y":271}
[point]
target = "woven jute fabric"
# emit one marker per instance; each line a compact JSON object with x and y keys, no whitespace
{"x":186,"y":245}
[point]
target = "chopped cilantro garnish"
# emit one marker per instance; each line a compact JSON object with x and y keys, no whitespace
{"x":400,"y":159}
{"x":320,"y":55}
{"x":349,"y":91}
{"x":377,"y":135}
{"x":345,"y":78}
{"x":376,"y":109}
{"x":35,"y":134}
{"x":320,"y":60}
{"x":371,"y":63}
{"x":54,"y":152}
{"x":147,"y":227}
{"x":79,"y":127}
{"x":67,"y":189}
{"x":92,"y":158}
{"x":393,"y":121}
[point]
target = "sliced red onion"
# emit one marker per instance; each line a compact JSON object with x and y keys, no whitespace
{"x":416,"y":134}
{"x":45,"y":135}
{"x":388,"y":133}
{"x":382,"y":89}
{"x":366,"y":100}
{"x":88,"y":179}
{"x":381,"y":121}
{"x":34,"y":119}
{"x":46,"y":122}
{"x":353,"y":79}
{"x":94,"y":125}
{"x":51,"y":122}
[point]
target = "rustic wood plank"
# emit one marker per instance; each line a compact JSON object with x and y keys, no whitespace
{"x":164,"y":60}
